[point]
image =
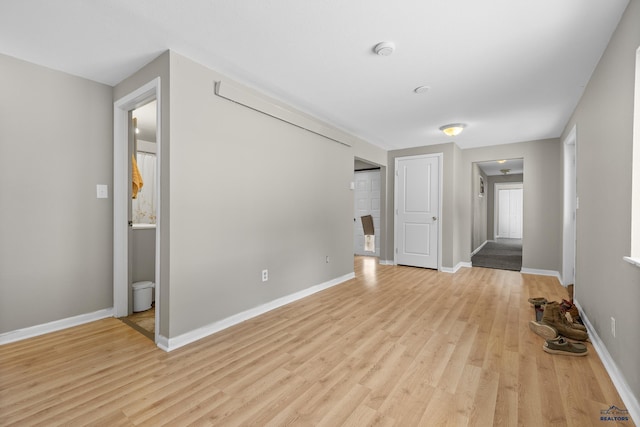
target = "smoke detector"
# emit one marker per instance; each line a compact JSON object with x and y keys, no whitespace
{"x":384,"y":48}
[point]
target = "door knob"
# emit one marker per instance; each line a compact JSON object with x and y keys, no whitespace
{"x":435,"y":218}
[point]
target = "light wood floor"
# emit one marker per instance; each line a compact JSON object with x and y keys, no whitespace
{"x":396,"y":346}
{"x":143,"y":322}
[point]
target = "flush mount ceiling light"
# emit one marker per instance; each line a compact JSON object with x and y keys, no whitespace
{"x":453,"y":129}
{"x":384,"y":48}
{"x":502,"y":161}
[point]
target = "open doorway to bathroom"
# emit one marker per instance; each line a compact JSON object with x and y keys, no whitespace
{"x":137,"y":221}
{"x":143,"y":216}
{"x":497,"y":206}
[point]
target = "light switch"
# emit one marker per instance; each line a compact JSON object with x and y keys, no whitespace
{"x":102,"y":191}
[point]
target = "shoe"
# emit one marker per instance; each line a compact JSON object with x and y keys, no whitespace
{"x":538,"y":304}
{"x":555,"y":319}
{"x":545,"y":331}
{"x":561,"y":346}
{"x":569,"y":306}
{"x":572,"y":314}
{"x":575,"y":325}
{"x":537,"y":301}
{"x":577,"y":344}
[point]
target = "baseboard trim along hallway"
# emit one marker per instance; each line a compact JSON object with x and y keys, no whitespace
{"x":169,"y":344}
{"x":56,"y":325}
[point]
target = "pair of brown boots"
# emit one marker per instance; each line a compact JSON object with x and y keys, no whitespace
{"x":554,"y":323}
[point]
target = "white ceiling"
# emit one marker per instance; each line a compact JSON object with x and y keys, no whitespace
{"x":511,"y":70}
{"x":495,"y":167}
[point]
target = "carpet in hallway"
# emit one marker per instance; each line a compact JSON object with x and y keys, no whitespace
{"x":503,"y":254}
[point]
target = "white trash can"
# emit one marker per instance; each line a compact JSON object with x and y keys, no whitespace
{"x":142,"y":292}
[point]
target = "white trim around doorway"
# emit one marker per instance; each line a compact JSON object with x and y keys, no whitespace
{"x":121,"y":108}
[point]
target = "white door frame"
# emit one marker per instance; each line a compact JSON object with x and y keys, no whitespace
{"x":121,"y":185}
{"x":505,"y":186}
{"x":440,"y":157}
{"x":569,"y":211}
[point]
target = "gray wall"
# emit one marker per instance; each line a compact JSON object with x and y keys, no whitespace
{"x":240,"y":203}
{"x":159,"y":67}
{"x":606,"y":286}
{"x":490,"y":196}
{"x":246,"y":199}
{"x":56,"y":244}
{"x":458,"y":216}
{"x":144,"y":254}
{"x":479,"y":206}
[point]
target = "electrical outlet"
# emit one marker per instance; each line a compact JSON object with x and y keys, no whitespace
{"x":102,"y":191}
{"x":265,"y":275}
{"x":613,"y":326}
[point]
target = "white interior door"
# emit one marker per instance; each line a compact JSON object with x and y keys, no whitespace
{"x":366,"y":202}
{"x":417,"y":205}
{"x":509,"y":211}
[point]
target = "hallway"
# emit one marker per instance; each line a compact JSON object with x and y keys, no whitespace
{"x":503,"y":254}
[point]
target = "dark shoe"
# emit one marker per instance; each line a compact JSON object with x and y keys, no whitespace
{"x":561,"y":346}
{"x":555,"y":319}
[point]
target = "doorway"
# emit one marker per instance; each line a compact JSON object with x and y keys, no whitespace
{"x":367,"y":202}
{"x":498,"y":208}
{"x":142,"y":216}
{"x":508,"y":211}
{"x":124,"y":136}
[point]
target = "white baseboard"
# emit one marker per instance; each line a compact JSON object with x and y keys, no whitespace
{"x":163,"y":342}
{"x":555,"y":274}
{"x":630,"y":401}
{"x":386,"y":262}
{"x":34,"y":331}
{"x":479,"y":248}
{"x":458,"y":266}
{"x":169,"y":344}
